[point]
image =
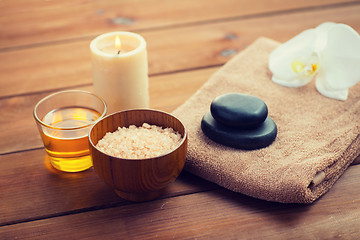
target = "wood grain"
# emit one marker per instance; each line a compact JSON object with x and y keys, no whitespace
{"x":218,"y":214}
{"x":38,"y":191}
{"x":209,"y":44}
{"x":166,"y":93}
{"x":63,"y":70}
{"x":44,"y":47}
{"x":35,"y":22}
{"x":140,"y":179}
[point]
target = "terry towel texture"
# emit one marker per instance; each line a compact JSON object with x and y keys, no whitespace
{"x":317,"y":139}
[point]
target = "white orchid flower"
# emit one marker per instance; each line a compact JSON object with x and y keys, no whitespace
{"x":331,"y":52}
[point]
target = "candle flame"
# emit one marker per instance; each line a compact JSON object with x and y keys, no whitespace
{"x":117,"y":44}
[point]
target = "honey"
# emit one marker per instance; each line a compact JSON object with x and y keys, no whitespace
{"x":66,"y":138}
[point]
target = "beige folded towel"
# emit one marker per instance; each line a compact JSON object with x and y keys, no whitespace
{"x":317,"y":139}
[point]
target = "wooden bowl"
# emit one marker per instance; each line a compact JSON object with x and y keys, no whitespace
{"x":138,"y":179}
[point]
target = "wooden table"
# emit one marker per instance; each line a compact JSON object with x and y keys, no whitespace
{"x":44,"y":47}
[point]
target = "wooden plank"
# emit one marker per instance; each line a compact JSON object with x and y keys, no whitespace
{"x":31,"y":189}
{"x":166,"y":93}
{"x":191,"y":47}
{"x":39,"y":202}
{"x":33,"y":22}
{"x":218,"y":214}
{"x":169,"y":91}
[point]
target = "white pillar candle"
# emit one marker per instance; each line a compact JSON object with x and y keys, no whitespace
{"x":120,"y":70}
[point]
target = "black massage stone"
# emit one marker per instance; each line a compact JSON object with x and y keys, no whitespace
{"x":239,"y":110}
{"x":257,"y":137}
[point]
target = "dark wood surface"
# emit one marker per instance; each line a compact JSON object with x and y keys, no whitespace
{"x":44,"y":47}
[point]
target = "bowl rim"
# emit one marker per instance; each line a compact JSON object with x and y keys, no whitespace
{"x":41,"y":122}
{"x":184,"y":137}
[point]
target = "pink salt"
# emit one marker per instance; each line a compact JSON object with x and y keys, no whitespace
{"x":139,"y":142}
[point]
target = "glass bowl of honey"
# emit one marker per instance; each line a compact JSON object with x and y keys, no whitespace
{"x":64,"y":120}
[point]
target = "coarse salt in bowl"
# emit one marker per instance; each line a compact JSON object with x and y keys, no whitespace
{"x":138,"y":152}
{"x":134,"y":142}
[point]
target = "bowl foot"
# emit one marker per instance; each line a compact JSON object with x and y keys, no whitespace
{"x":139,"y":197}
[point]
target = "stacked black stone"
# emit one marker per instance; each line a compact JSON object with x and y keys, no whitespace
{"x":240,"y":121}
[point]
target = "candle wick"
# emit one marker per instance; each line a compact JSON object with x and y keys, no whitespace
{"x":118,"y":52}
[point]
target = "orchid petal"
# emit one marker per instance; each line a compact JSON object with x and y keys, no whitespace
{"x":340,"y":61}
{"x":292,"y":63}
{"x":331,"y":51}
{"x":322,"y":36}
{"x":327,"y":91}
